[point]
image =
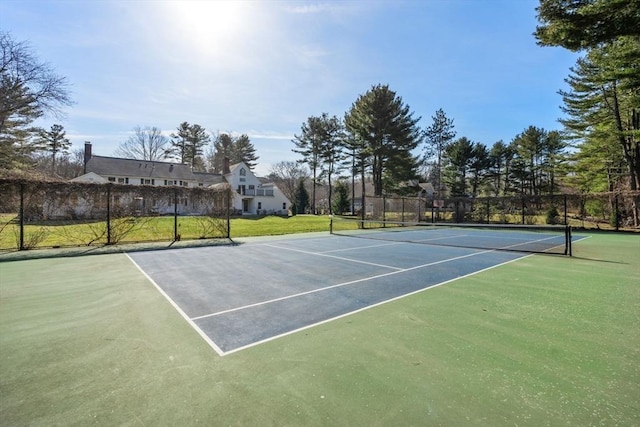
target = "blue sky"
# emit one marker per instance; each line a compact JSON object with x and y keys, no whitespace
{"x":263,"y":67}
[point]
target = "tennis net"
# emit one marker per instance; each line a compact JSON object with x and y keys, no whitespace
{"x":553,"y":239}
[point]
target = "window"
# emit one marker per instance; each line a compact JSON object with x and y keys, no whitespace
{"x":243,"y":179}
{"x":145,"y":181}
{"x":200,"y":184}
{"x":112,"y":179}
{"x":284,"y":205}
{"x":126,"y":180}
{"x":259,"y":205}
{"x":243,"y":172}
{"x":153,"y":182}
{"x":120,"y":180}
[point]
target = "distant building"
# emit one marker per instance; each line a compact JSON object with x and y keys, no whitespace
{"x":251,"y":196}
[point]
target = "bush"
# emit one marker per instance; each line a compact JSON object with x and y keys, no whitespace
{"x":552,"y":215}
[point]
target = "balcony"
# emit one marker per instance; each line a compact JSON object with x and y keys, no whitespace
{"x":253,"y":192}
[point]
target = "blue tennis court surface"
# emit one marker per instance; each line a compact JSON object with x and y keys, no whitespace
{"x":240,"y":295}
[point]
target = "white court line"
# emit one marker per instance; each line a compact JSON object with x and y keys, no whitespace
{"x":313,"y":325}
{"x":231,"y":310}
{"x":356,"y":248}
{"x":200,"y":332}
{"x":324,"y":254}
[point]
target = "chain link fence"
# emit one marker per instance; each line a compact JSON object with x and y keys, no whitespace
{"x":602,"y":211}
{"x":40,"y":214}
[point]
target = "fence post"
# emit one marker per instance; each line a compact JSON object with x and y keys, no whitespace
{"x":617,"y":213}
{"x":523,"y":208}
{"x":176,"y":237}
{"x":21,"y":216}
{"x":564,"y":200}
{"x":488,"y":210}
{"x":228,"y":201}
{"x":108,"y":214}
{"x":384,"y":211}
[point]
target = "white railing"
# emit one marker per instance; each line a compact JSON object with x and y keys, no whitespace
{"x":258,"y":192}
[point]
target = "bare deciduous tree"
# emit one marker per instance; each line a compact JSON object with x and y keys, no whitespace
{"x":145,"y":144}
{"x":286,"y":175}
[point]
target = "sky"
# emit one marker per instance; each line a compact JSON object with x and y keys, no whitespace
{"x":263,"y":67}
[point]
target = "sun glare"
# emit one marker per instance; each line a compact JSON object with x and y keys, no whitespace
{"x":213,"y":27}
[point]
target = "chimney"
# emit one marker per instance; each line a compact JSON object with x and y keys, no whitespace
{"x":87,"y":154}
{"x":225,"y":166}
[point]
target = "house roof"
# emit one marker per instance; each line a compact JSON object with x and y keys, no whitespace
{"x":209,"y":178}
{"x":105,"y":166}
{"x":90,"y":177}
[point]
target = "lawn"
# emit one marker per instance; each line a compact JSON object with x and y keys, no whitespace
{"x":65,"y":234}
{"x":546,"y":340}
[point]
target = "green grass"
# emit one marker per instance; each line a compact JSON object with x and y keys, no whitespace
{"x":153,"y":229}
{"x":275,"y":225}
{"x":541,"y":341}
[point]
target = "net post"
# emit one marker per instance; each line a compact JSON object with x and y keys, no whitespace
{"x":330,"y":224}
{"x":567,"y":241}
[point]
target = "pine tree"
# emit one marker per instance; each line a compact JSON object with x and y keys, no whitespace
{"x":457,"y":158}
{"x":500,"y":157}
{"x":385,"y":126}
{"x":302,"y":197}
{"x":188,"y":143}
{"x":179,"y":143}
{"x":308,"y":145}
{"x":585,"y":24}
{"x":340,"y":202}
{"x":321,"y":146}
{"x":55,"y":142}
{"x":244,"y":151}
{"x":438,"y":137}
{"x":603,"y":102}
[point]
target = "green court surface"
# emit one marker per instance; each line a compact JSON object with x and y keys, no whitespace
{"x":544,"y":340}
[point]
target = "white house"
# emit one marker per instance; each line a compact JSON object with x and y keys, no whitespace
{"x":252,"y":195}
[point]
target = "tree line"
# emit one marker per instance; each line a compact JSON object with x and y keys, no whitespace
{"x":379,"y":141}
{"x":596,"y":151}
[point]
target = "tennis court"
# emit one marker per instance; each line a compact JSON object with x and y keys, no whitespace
{"x":540,"y":340}
{"x":238,"y":296}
